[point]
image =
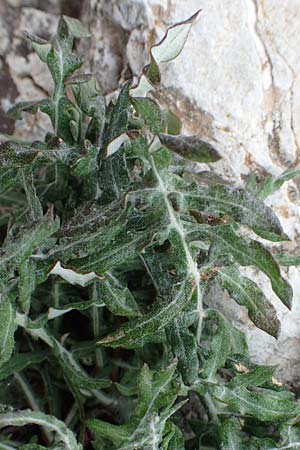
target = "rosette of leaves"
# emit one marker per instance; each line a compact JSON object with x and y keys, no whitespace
{"x":113,"y":242}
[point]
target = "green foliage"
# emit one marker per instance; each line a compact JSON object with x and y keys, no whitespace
{"x":148,"y":422}
{"x":111,"y":245}
{"x":62,"y":434}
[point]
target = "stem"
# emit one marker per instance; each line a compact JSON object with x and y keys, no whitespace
{"x":206,"y":448}
{"x":71,"y":414}
{"x":96,"y":326}
{"x":21,"y":379}
{"x":27,"y":391}
{"x":81,"y":438}
{"x":211,"y":408}
{"x":191,"y":264}
{"x":52,"y":393}
{"x":34,"y":206}
{"x":56,"y":295}
{"x":200,"y":313}
{"x":6,"y":447}
{"x":104,"y":398}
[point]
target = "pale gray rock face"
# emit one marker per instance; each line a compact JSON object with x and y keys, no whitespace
{"x":113,"y":24}
{"x":241,"y":67}
{"x":27,"y":71}
{"x":236,"y":83}
{"x":22,"y":75}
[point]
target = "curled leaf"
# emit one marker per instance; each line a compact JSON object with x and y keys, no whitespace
{"x":190,"y":147}
{"x":173,"y":41}
{"x":154,"y":321}
{"x":245,"y":292}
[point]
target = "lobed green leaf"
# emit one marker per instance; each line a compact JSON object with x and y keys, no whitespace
{"x":190,"y":147}
{"x":246,"y":293}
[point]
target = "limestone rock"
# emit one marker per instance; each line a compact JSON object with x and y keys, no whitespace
{"x":23,"y":76}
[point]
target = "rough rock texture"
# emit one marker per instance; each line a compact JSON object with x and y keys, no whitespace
{"x":22,"y":74}
{"x":237,"y":83}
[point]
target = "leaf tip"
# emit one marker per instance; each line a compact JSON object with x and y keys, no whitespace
{"x":195,"y":16}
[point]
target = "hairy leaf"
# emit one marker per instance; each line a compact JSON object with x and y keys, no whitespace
{"x":241,"y":206}
{"x":288,"y":260}
{"x":28,"y":239}
{"x":109,"y":238}
{"x":151,"y":114}
{"x":119,"y":116}
{"x":91,"y":102}
{"x":73,"y":372}
{"x":184,"y":346}
{"x":41,"y":46}
{"x":220,"y":347}
{"x":251,"y":253}
{"x":272,"y":184}
{"x":265,"y":405}
{"x":247,"y":293}
{"x":154,"y":321}
{"x":118,"y":300}
{"x":20,"y":361}
{"x":7,"y":178}
{"x":146,"y":426}
{"x":63,"y":435}
{"x":7,"y":328}
{"x":231,"y":436}
{"x":190,"y":147}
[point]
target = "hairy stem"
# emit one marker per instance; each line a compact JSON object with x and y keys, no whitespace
{"x":191,"y":264}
